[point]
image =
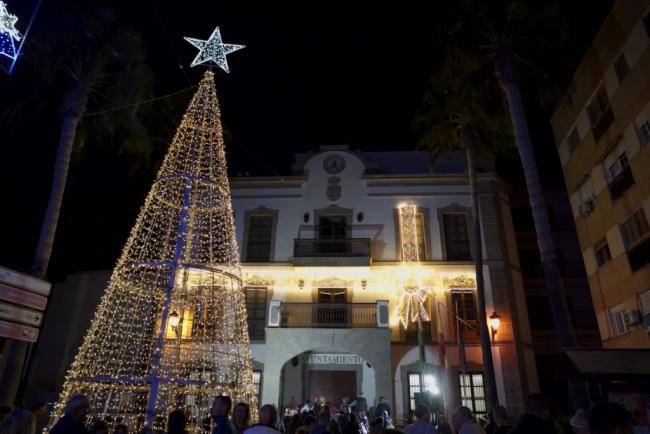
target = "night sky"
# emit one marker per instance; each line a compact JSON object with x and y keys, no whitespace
{"x":323,"y":73}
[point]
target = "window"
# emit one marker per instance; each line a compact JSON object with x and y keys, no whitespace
{"x":256,"y":311}
{"x":644,"y":132}
{"x":257,"y":381}
{"x":621,"y":68}
{"x":617,"y":167}
{"x":598,"y":105}
{"x":573,"y":140}
{"x":412,"y":233}
{"x":456,"y":237}
{"x":635,"y":228}
{"x":617,"y":315}
{"x":464,"y":301}
{"x":414,"y":387}
{"x":260,"y":232}
{"x":601,"y":251}
{"x":472,"y":393}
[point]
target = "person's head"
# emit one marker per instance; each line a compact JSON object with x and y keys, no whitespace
{"x":536,"y":405}
{"x":99,"y":427}
{"x":579,"y":422}
{"x":382,"y":399}
{"x":461,"y":415}
{"x":221,"y":406}
{"x":18,"y":422}
{"x":121,"y":429}
{"x":78,"y":407}
{"x":423,"y":412}
{"x":39,"y":409}
{"x":322,"y":399}
{"x":176,"y":422}
{"x":500,"y":415}
{"x":608,"y":418}
{"x":346,"y":400}
{"x":268,"y":415}
{"x":4,"y":410}
{"x":241,"y":414}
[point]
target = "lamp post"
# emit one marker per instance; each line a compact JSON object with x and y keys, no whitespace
{"x":495,"y":322}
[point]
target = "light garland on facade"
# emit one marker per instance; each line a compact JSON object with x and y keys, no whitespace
{"x":412,"y":306}
{"x":409,"y":232}
{"x":170,"y":332}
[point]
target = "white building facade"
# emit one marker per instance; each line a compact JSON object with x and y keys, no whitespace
{"x":324,"y":264}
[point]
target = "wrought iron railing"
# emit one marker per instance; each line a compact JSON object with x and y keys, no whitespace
{"x":328,"y":315}
{"x":323,"y":247}
{"x":256,"y":329}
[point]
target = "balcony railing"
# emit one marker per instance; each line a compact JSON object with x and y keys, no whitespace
{"x":331,"y":247}
{"x":332,"y":315}
{"x":256,"y":329}
{"x":621,"y":183}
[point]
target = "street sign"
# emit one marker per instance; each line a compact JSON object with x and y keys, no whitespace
{"x":25,"y":281}
{"x":22,"y":297}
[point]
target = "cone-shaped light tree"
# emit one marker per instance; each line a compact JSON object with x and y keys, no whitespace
{"x":170,"y":332}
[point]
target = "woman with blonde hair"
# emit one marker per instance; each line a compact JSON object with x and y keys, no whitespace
{"x":18,"y":422}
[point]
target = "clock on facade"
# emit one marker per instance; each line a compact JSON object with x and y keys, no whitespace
{"x":334,"y":164}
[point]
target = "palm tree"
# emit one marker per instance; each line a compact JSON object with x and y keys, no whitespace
{"x":100,"y":64}
{"x":458,"y":115}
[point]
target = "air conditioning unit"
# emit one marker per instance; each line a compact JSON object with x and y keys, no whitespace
{"x":632,"y":318}
{"x":588,"y":205}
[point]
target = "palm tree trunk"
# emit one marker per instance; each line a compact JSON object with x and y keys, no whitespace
{"x":558,"y":303}
{"x":73,"y":108}
{"x":491,"y":395}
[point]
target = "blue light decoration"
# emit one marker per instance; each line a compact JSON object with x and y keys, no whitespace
{"x":9,"y":35}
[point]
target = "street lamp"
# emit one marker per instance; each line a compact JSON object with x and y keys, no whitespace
{"x":495,"y":322}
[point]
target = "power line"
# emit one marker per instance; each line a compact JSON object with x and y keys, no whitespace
{"x":135,"y":104}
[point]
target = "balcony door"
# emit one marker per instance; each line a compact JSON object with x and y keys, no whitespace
{"x":332,"y":311}
{"x":332,"y":233}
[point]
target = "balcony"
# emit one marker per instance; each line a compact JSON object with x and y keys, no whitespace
{"x":328,"y":315}
{"x":621,"y":183}
{"x":331,"y":251}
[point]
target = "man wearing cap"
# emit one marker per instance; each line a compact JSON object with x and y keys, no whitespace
{"x":73,"y":421}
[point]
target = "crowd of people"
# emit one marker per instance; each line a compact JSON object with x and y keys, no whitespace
{"x":322,"y":417}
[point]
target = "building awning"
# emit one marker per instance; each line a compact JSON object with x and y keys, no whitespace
{"x":611,"y":361}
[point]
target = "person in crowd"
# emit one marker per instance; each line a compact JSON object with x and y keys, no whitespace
{"x":241,"y":417}
{"x":345,"y":407}
{"x":499,"y":421}
{"x":147,"y":430}
{"x":73,"y":421}
{"x":536,"y":419}
{"x":219,"y":412}
{"x":579,"y":422}
{"x":443,"y":426}
{"x":306,"y":421}
{"x":360,"y":405}
{"x":608,"y":418}
{"x":307,"y":407}
{"x":295,"y":423}
{"x":322,"y":425}
{"x":176,"y":422}
{"x":464,"y":423}
{"x":4,"y":411}
{"x":388,"y":421}
{"x":422,"y":424}
{"x":382,"y":407}
{"x":39,"y":410}
{"x":268,"y":421}
{"x":121,"y":429}
{"x":99,"y":427}
{"x":18,"y":422}
{"x":377,"y":426}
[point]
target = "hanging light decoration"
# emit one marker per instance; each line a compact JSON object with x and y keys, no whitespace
{"x":170,"y":332}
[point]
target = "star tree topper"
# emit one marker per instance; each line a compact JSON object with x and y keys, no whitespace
{"x":213,"y":50}
{"x":8,"y":22}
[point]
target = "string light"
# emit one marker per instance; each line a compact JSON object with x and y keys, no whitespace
{"x":411,"y":305}
{"x":170,"y":332}
{"x":213,"y":50}
{"x":8,"y":32}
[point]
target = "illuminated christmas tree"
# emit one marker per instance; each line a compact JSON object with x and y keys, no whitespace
{"x":170,"y":332}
